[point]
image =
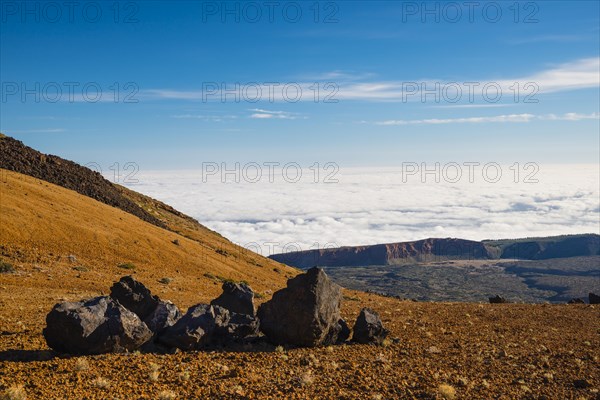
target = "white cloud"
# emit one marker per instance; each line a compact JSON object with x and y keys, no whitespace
{"x":492,"y":119}
{"x":206,"y":118}
{"x":373,"y":205}
{"x":579,"y":74}
{"x":262,"y":116}
{"x":267,"y":114}
{"x":574,"y":75}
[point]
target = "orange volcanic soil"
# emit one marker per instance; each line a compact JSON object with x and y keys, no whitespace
{"x":434,"y":351}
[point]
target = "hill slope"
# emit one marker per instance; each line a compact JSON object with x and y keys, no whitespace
{"x":15,"y":156}
{"x":43,"y":224}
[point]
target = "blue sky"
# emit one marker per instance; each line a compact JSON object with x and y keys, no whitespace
{"x":167,"y":56}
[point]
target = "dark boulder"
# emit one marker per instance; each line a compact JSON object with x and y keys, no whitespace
{"x":237,"y":298}
{"x":134,"y":296}
{"x":137,"y":298}
{"x":99,"y":325}
{"x":369,"y":328}
{"x":192,"y":331}
{"x":576,"y":301}
{"x":594,"y":298}
{"x":497,"y":300}
{"x":305,"y":313}
{"x":205,"y":325}
{"x":233,"y":327}
{"x":342,"y":332}
{"x":165,"y":314}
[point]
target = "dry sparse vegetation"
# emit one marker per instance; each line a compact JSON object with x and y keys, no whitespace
{"x":81,"y":365}
{"x":306,"y":378}
{"x":101,"y":383}
{"x":128,"y":266}
{"x":167,"y":395}
{"x":184,"y":375}
{"x":16,"y":392}
{"x":6,"y":268}
{"x":447,"y":391}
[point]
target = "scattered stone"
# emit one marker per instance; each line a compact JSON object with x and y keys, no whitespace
{"x":497,"y":300}
{"x":582,"y":384}
{"x":594,"y":298}
{"x":237,"y":298}
{"x":100,"y":325}
{"x":305,"y":313}
{"x":576,"y":301}
{"x":369,"y":328}
{"x":176,"y":242}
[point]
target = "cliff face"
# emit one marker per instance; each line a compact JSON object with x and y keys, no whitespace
{"x":386,"y":254}
{"x":446,"y":249}
{"x":558,"y":247}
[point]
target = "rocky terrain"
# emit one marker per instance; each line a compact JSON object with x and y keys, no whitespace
{"x":438,"y":249}
{"x":63,"y":254}
{"x":433,"y":351}
{"x":556,"y":280}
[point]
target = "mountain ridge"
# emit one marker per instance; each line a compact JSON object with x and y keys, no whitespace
{"x":440,"y":249}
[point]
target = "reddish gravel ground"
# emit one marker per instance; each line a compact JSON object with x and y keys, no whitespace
{"x":434,"y":351}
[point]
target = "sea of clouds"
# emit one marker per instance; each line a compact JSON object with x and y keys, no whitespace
{"x":380,"y":205}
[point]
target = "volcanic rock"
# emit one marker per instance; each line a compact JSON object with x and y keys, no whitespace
{"x":369,"y":328}
{"x":99,"y":325}
{"x":497,"y":300}
{"x":204,"y":325}
{"x":134,"y":296}
{"x":237,"y":298}
{"x":305,"y":313}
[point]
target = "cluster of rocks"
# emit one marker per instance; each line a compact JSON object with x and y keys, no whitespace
{"x":306,"y":313}
{"x":592,"y":299}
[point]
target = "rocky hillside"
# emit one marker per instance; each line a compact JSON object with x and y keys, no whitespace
{"x":387,"y":254}
{"x":445,"y":249}
{"x":15,"y":156}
